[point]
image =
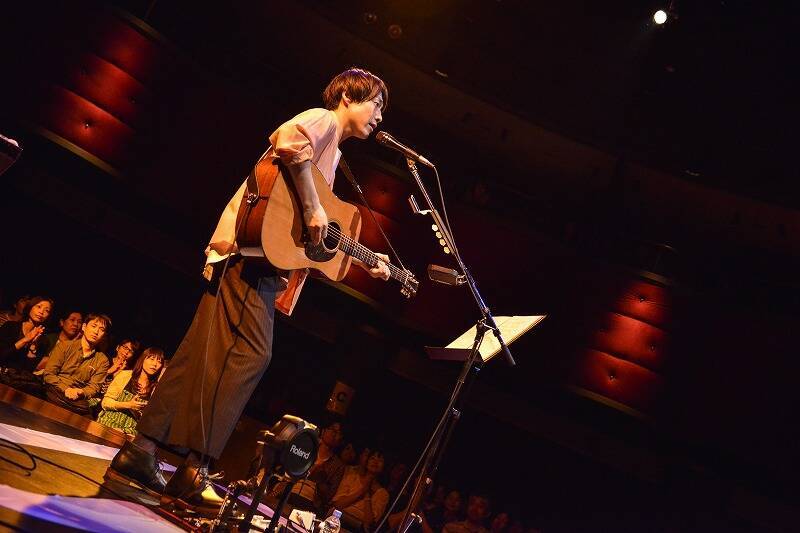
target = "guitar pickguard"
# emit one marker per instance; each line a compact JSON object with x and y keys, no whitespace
{"x":325,"y":250}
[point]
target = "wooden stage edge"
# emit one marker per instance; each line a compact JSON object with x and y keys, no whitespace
{"x":59,"y":414}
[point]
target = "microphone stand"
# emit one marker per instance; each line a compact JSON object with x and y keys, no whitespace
{"x":486,"y":314}
{"x":434,"y":450}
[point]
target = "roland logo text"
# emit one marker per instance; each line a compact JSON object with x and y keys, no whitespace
{"x":299,"y":452}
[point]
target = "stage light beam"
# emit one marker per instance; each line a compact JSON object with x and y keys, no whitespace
{"x":660,"y":17}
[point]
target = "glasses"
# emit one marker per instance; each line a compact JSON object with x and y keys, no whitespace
{"x":125,"y":348}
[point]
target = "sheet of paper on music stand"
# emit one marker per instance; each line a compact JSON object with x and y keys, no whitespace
{"x":511,"y":327}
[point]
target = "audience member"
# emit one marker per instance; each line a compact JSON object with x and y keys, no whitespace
{"x":435,"y":499}
{"x":76,"y":370}
{"x":500,"y":523}
{"x":363,"y":456}
{"x":348,"y":454}
{"x":16,"y":313}
{"x":448,"y":511}
{"x":360,"y":497}
{"x":18,"y":338}
{"x":397,"y":476}
{"x":77,"y":375}
{"x":125,"y":352}
{"x":130,"y":391}
{"x":478,"y":507}
{"x":328,"y":470}
{"x":70,"y":323}
{"x":316,"y":491}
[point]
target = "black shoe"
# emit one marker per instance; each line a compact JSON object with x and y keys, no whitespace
{"x":190,"y":488}
{"x":134,"y":466}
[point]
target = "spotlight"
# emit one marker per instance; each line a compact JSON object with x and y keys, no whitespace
{"x":660,"y":17}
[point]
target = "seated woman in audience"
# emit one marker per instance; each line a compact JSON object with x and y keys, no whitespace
{"x":18,"y":338}
{"x":15,"y":314}
{"x":129,"y":392}
{"x":348,"y":454}
{"x":361,"y":497}
{"x":126,"y":350}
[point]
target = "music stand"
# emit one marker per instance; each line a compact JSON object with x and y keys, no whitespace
{"x":511,"y":327}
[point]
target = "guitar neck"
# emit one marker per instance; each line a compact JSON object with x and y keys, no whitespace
{"x":368,"y":257}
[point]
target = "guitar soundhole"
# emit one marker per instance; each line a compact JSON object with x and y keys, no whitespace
{"x":331,"y":241}
{"x":325,"y":250}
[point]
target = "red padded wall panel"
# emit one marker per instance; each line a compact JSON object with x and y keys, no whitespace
{"x":87,"y":126}
{"x":107,"y":86}
{"x":617,"y":379}
{"x":645,"y":301}
{"x":128,"y":48}
{"x":627,"y":321}
{"x":632,"y":340}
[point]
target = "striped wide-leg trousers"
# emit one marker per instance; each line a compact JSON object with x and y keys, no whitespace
{"x":221,"y":359}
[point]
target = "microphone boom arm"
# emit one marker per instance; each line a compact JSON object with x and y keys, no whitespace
{"x":470,"y":281}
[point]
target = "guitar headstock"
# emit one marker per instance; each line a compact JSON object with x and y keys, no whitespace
{"x":410,"y":285}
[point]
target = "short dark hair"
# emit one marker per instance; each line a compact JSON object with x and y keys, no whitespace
{"x":358,"y":84}
{"x":68,"y":311}
{"x":105,"y":319}
{"x":134,"y":343}
{"x":33,"y":301}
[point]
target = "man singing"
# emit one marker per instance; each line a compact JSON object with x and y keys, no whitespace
{"x":229,"y":343}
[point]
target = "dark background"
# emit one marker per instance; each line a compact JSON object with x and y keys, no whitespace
{"x":633,"y":182}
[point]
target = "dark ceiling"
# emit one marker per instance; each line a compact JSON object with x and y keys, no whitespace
{"x":706,"y":97}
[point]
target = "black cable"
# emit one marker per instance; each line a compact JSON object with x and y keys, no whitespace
{"x":33,"y":457}
{"x":444,"y":212}
{"x":14,"y":446}
{"x":351,"y":178}
{"x":207,"y":437}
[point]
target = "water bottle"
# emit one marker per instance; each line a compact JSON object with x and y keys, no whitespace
{"x":332,"y":523}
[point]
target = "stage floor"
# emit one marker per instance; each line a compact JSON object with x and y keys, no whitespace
{"x":51,"y":474}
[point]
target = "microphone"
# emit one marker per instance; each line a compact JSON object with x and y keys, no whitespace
{"x":447,"y":276}
{"x":389,"y":141}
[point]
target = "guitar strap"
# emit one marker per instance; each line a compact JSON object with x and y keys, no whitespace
{"x":345,"y":168}
{"x":252,"y":185}
{"x":253,"y":189}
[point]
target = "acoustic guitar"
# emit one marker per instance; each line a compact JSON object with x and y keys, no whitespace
{"x":271,"y":226}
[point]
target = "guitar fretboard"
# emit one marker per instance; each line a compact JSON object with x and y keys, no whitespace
{"x":359,"y":251}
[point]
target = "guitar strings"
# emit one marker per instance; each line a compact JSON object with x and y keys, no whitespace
{"x":361,"y":252}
